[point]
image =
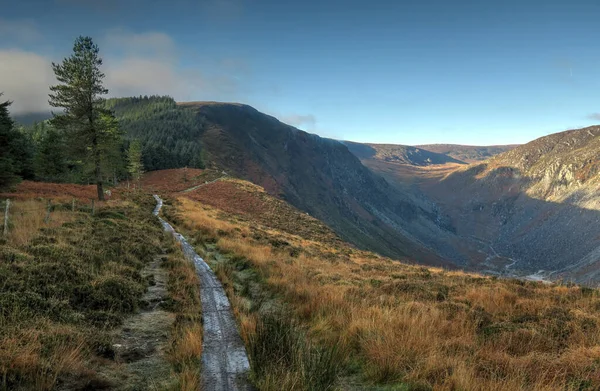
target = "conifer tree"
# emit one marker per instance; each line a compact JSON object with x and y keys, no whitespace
{"x":134,"y":158}
{"x":8,"y":165}
{"x":79,"y":94}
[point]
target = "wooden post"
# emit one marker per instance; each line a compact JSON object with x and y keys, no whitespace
{"x":48,"y":212}
{"x":93,"y":209}
{"x":73,"y":205}
{"x":6,"y":217}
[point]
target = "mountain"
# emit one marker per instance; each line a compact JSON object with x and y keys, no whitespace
{"x":27,"y":119}
{"x":467,"y":153}
{"x":170,"y":136}
{"x":399,"y":154}
{"x":316,"y":175}
{"x":534,"y":209}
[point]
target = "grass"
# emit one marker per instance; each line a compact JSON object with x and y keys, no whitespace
{"x":27,"y":217}
{"x":284,"y":359}
{"x":395,"y":326}
{"x":67,"y":284}
{"x":64,"y":288}
{"x":186,"y":334}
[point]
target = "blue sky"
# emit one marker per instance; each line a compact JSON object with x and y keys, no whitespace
{"x":406,"y":72}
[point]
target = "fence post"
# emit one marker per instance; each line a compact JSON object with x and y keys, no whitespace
{"x":6,"y":217}
{"x":93,"y":209}
{"x":48,"y":212}
{"x":73,"y":205}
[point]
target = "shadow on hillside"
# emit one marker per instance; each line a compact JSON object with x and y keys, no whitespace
{"x":538,"y":234}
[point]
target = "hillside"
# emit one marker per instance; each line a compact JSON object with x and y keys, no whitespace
{"x":317,"y":313}
{"x":316,"y":175}
{"x":535,"y":207}
{"x":467,"y":153}
{"x":319,"y":176}
{"x":403,"y":154}
{"x":94,"y":299}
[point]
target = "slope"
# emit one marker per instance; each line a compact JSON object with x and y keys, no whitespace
{"x":403,"y":154}
{"x":536,"y":206}
{"x":321,"y":314}
{"x":320,"y":176}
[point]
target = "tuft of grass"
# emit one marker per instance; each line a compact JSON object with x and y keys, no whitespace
{"x":186,"y":333}
{"x":283,"y":358}
{"x":27,"y":217}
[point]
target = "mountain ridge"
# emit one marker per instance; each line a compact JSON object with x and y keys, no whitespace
{"x":397,"y":153}
{"x":536,"y":204}
{"x":468,"y":153}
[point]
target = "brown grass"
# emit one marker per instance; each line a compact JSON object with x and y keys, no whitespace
{"x":26,"y":217}
{"x":24,"y":352}
{"x":57,"y":191}
{"x":405,"y":324}
{"x":186,"y":334}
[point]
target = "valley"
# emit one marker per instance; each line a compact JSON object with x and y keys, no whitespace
{"x":531,"y":211}
{"x":367,"y":321}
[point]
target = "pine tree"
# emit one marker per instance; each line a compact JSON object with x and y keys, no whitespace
{"x":111,"y":147}
{"x":16,"y":151}
{"x":80,"y":95}
{"x":50,"y":160}
{"x":8,"y":165}
{"x":134,"y":158}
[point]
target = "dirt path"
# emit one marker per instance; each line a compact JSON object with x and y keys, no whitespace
{"x":140,"y":345}
{"x":225,"y":364}
{"x":202,"y":184}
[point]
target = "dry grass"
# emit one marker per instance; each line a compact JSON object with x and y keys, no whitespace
{"x":427,"y":328}
{"x":56,"y":191}
{"x":186,"y":334}
{"x":26,"y":352}
{"x":26,"y":217}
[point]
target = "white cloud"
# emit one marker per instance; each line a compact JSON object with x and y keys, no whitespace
{"x":594,"y":116}
{"x":150,"y":63}
{"x":149,"y":44}
{"x":307,"y":121}
{"x":24,"y":79}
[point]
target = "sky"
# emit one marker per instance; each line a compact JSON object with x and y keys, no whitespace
{"x":476,"y":72}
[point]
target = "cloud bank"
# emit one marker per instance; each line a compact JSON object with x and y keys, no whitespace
{"x":594,"y":116}
{"x":24,"y":79}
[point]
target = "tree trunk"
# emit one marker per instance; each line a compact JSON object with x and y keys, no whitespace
{"x":97,"y":170}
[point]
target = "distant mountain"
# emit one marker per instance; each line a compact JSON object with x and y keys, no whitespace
{"x":399,"y":154}
{"x":27,"y":119}
{"x":535,"y":207}
{"x":467,"y":153}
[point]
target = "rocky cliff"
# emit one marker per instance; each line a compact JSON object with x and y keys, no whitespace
{"x":533,"y":208}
